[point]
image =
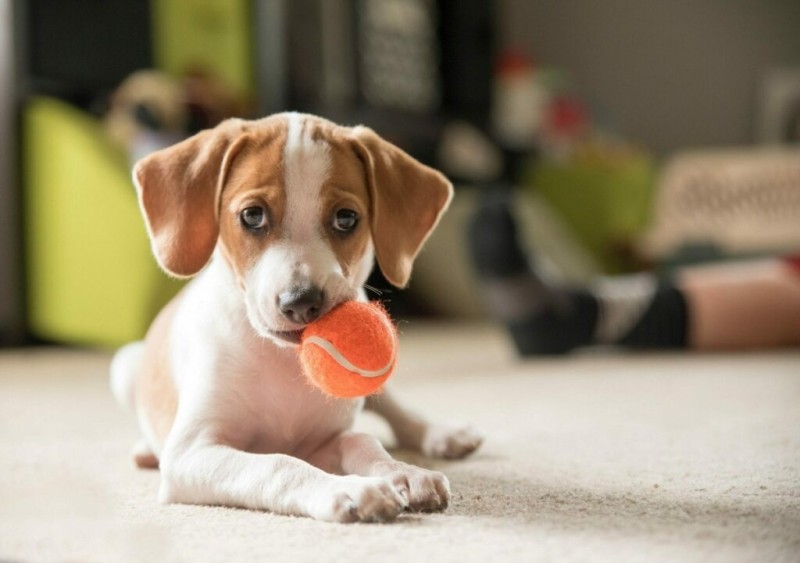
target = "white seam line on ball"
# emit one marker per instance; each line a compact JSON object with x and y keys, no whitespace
{"x":344,"y":362}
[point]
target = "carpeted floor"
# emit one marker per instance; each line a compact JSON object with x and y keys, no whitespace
{"x":596,"y":457}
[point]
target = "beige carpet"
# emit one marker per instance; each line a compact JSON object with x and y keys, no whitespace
{"x":597,"y":457}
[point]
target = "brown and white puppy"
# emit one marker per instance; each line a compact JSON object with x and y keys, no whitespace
{"x":283,"y":219}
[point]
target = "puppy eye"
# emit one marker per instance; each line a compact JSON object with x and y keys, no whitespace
{"x":345,"y":220}
{"x":253,"y":218}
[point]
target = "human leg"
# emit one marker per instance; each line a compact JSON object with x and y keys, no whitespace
{"x":544,"y":318}
{"x":746,"y":305}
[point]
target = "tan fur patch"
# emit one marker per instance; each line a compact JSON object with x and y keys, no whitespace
{"x":255,"y":179}
{"x":346,"y":188}
{"x":155,"y":392}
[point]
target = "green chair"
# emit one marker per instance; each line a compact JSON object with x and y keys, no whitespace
{"x":92,"y":279}
{"x":605,"y":202}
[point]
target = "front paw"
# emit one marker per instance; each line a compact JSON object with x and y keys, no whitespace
{"x":426,"y":490}
{"x":450,"y":442}
{"x":360,"y":499}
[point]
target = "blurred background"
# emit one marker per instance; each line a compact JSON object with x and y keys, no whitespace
{"x":630,"y":135}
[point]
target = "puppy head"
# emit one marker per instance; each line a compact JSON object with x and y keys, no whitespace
{"x":298,"y":208}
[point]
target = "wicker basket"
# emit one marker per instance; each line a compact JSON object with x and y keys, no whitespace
{"x":737,"y":201}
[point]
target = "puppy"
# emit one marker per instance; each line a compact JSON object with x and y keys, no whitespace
{"x":282,"y":219}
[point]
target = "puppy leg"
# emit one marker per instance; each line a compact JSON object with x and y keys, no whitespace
{"x":413,"y":432}
{"x":362,"y":454}
{"x":217,"y":474}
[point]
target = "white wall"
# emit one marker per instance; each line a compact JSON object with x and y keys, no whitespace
{"x":668,"y":73}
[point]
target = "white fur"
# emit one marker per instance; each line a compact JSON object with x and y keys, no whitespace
{"x":250,"y":431}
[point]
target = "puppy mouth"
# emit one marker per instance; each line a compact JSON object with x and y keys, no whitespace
{"x":287,"y":336}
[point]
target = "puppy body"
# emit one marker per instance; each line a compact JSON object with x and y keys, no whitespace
{"x":294,"y":211}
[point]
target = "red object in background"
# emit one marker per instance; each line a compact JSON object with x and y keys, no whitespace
{"x":793,"y":262}
{"x":513,"y":62}
{"x":567,"y":116}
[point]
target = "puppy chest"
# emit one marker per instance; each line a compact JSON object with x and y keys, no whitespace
{"x":290,"y":416}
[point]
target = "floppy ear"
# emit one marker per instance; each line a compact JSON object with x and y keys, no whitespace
{"x":179,"y":191}
{"x":407,"y":200}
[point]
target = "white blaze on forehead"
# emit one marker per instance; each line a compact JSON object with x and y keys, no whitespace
{"x":303,"y":255}
{"x":307,"y":164}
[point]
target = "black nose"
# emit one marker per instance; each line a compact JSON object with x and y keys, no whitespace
{"x":301,"y":304}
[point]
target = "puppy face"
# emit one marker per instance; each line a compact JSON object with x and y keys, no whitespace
{"x":297,"y":206}
{"x":294,"y":226}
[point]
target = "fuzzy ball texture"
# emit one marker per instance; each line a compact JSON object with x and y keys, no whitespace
{"x":351,"y":351}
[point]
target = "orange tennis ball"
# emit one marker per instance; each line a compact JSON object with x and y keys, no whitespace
{"x":351,"y":351}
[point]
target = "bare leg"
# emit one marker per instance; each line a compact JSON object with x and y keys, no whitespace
{"x":742,"y":306}
{"x":413,"y":432}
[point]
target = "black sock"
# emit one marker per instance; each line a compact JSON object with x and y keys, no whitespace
{"x":544,"y":319}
